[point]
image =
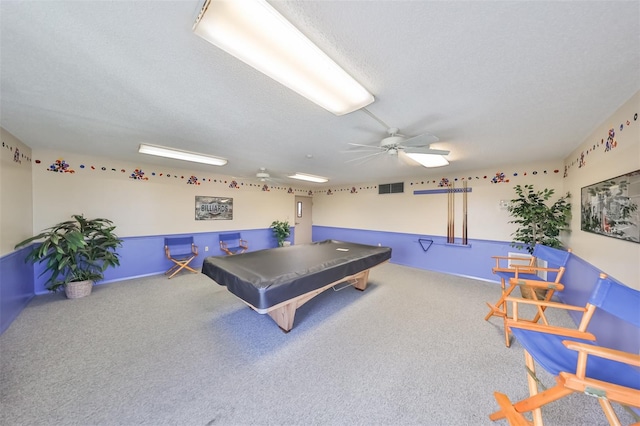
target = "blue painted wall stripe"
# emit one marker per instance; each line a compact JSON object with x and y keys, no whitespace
{"x":16,"y":286}
{"x":144,"y":256}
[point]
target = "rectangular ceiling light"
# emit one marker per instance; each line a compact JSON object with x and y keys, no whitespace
{"x":254,"y":32}
{"x":309,"y":178}
{"x":428,"y":160}
{"x":178,"y":154}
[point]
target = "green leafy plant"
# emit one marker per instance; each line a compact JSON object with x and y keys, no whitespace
{"x":537,"y":222}
{"x":76,"y":250}
{"x":281,"y":231}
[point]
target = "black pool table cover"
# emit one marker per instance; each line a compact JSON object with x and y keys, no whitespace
{"x":265,"y":278}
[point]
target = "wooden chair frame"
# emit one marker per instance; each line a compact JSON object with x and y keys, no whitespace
{"x":182,"y":259}
{"x":530,"y":286}
{"x":570,"y":381}
{"x":498,"y":309}
{"x":241,"y":247}
{"x":527,"y":284}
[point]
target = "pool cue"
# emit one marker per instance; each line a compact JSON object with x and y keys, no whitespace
{"x":451,"y":218}
{"x":464,"y":213}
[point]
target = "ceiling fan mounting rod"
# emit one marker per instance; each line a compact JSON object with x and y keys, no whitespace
{"x":372,"y":115}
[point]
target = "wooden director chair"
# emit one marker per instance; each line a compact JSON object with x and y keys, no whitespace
{"x":538,"y":279}
{"x":233,"y":243}
{"x":576,"y":360}
{"x":181,"y":251}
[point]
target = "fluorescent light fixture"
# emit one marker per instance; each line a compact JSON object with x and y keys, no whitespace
{"x":254,"y":32}
{"x":309,"y":178}
{"x":178,"y":154}
{"x":428,"y":160}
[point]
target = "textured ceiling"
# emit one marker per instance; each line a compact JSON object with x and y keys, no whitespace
{"x":497,"y":82}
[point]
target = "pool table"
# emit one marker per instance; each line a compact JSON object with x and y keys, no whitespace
{"x":278,"y":281}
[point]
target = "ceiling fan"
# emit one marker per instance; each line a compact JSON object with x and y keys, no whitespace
{"x":397,"y":144}
{"x":264,"y":176}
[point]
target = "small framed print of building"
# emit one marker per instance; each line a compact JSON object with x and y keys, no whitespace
{"x":214,"y":208}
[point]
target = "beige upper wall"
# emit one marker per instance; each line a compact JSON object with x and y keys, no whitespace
{"x":620,"y":259}
{"x":159,"y":205}
{"x":16,"y":201}
{"x":427,"y":214}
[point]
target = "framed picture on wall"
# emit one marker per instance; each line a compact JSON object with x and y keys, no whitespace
{"x":214,"y":208}
{"x":610,"y":207}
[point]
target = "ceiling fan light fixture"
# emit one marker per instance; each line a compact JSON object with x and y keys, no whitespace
{"x":179,"y":154}
{"x":309,"y":178}
{"x":254,"y":32}
{"x":428,"y":160}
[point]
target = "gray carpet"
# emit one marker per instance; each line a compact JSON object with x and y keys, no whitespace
{"x":413,"y":349}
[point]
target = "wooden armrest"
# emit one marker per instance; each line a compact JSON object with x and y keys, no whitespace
{"x":550,"y":329}
{"x":537,"y":268}
{"x":512,"y":258}
{"x":608,"y":353}
{"x":537,"y":284}
{"x":498,"y":269}
{"x":509,"y":268}
{"x":544,"y":303}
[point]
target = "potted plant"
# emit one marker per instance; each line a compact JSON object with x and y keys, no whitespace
{"x":77,"y":252}
{"x":537,"y":222}
{"x":281,"y":231}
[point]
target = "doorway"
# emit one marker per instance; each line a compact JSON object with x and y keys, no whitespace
{"x":303,"y":220}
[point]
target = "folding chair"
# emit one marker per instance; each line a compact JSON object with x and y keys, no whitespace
{"x":233,"y":243}
{"x":181,"y":251}
{"x":539,"y":279}
{"x":576,"y":360}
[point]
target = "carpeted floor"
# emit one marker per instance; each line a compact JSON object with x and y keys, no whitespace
{"x":413,"y":349}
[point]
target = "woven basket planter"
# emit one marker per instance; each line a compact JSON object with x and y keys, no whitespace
{"x":77,"y":289}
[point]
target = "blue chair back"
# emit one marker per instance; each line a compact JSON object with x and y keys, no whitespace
{"x":617,"y":299}
{"x":234,"y":236}
{"x":179,"y":246}
{"x":554,"y":258}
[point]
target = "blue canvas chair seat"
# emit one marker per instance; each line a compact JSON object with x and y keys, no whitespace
{"x":550,"y":353}
{"x":233,"y":243}
{"x":574,"y":357}
{"x":181,"y":251}
{"x":539,"y":280}
{"x":506,"y":276}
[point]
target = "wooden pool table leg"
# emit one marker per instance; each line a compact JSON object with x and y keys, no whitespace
{"x":285,"y":313}
{"x":284,"y":316}
{"x":361,"y":280}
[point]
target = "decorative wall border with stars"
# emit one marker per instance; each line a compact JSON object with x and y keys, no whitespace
{"x":607,"y":143}
{"x":18,"y":156}
{"x":499,"y":177}
{"x":60,"y":165}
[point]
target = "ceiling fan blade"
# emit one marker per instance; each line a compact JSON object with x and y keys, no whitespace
{"x":365,"y":146}
{"x":357,"y":151}
{"x":421,"y":140}
{"x":406,"y":159}
{"x":364,"y":159}
{"x":419,"y":150}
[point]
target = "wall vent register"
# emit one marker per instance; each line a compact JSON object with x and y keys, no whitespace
{"x":391,"y":188}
